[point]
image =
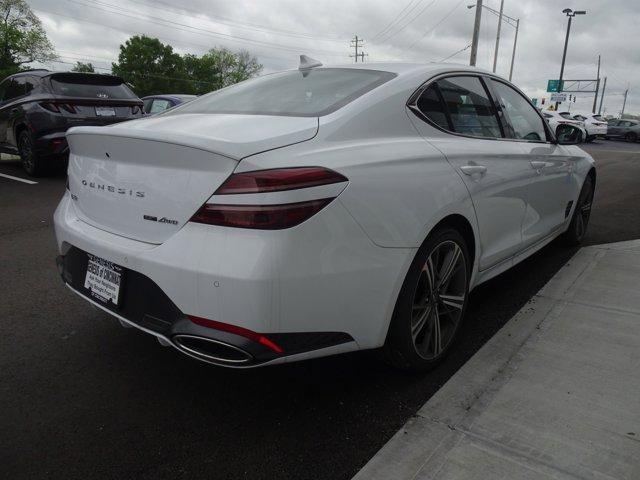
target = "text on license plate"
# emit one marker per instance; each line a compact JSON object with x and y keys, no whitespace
{"x":105,"y":111}
{"x":103,"y":279}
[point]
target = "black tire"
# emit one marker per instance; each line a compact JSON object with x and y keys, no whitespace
{"x":31,"y":162}
{"x":415,"y":346}
{"x":581,"y":214}
{"x":631,"y":137}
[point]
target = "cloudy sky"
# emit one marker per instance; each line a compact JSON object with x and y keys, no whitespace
{"x":276,"y":31}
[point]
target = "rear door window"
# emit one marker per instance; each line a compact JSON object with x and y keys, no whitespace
{"x":14,"y":88}
{"x":90,"y":86}
{"x":431,"y":106}
{"x":469,"y":107}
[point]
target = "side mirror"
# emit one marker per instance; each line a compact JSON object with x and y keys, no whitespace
{"x":569,"y":134}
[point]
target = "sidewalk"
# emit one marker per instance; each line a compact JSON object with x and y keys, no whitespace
{"x":554,"y":394}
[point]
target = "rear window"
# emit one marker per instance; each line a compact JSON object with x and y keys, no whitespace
{"x":313,"y":93}
{"x":565,"y":115}
{"x":90,"y":86}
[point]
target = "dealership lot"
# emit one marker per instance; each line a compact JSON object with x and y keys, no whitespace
{"x":76,"y":386}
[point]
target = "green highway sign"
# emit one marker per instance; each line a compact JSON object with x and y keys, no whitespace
{"x":552,"y":85}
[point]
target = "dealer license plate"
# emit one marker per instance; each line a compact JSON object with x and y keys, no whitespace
{"x":103,"y":279}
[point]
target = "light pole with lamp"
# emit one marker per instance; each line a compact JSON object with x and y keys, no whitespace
{"x":569,"y":13}
{"x":515,"y":23}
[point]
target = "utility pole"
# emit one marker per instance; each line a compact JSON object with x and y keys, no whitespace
{"x":624,"y":102}
{"x":495,"y":53}
{"x":358,"y":43}
{"x":476,"y":34}
{"x":513,"y":55}
{"x":569,"y":13}
{"x":604,"y":86}
{"x":595,"y":97}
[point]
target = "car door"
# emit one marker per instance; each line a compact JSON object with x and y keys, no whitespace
{"x":550,"y":187}
{"x":496,"y":173}
{"x":613,"y":129}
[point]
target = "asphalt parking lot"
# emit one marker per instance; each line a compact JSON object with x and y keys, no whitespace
{"x":81,"y":397}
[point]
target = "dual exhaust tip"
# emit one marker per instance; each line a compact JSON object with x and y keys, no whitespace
{"x":211,"y":350}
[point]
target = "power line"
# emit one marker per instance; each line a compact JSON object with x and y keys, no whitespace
{"x":231,"y":22}
{"x":436,"y":25}
{"x":113,"y":9}
{"x":415,"y":17}
{"x":401,"y":19}
{"x":456,"y":53}
{"x":163,"y":38}
{"x":392,"y":21}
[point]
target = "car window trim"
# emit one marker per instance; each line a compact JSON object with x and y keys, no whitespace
{"x":412,"y":104}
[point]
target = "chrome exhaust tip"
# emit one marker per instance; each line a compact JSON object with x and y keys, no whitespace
{"x":211,"y":350}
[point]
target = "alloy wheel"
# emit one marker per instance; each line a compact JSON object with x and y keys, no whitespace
{"x":439,"y":300}
{"x":584,"y":212}
{"x":26,"y":153}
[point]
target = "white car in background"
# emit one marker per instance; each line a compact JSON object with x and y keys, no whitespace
{"x":316,"y":211}
{"x":555,"y":119}
{"x":596,"y":125}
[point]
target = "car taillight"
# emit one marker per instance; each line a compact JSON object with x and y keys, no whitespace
{"x":278,"y":180}
{"x":261,"y":217}
{"x":52,"y":107}
{"x":55,"y":107}
{"x":264,"y":216}
{"x":243,"y":332}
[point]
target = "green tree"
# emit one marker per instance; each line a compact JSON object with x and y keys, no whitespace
{"x":150,"y":66}
{"x":22,"y":38}
{"x":84,"y":67}
{"x":219,"y":68}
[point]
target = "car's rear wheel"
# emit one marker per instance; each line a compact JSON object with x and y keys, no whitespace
{"x":431,"y":304}
{"x":31,"y":162}
{"x":581,"y":214}
{"x":631,"y":137}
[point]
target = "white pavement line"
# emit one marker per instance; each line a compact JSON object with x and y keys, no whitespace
{"x":554,"y":394}
{"x":18,"y":179}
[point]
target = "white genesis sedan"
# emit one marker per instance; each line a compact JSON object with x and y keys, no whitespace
{"x":317,"y":211}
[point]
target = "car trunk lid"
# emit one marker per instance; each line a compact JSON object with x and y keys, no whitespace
{"x":144,"y":179}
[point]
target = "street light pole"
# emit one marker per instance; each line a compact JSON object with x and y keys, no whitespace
{"x":495,"y":53}
{"x":513,"y":54}
{"x":476,"y":34}
{"x":569,"y":13}
{"x":604,"y":87}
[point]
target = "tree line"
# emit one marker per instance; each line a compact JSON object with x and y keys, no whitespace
{"x":145,"y":63}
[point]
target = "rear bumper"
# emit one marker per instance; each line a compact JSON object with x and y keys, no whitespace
{"x":317,"y":289}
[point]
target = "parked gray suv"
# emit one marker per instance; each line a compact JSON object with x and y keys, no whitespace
{"x":38,"y":106}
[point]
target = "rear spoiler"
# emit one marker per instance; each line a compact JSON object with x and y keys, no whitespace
{"x":113,"y":102}
{"x":87,"y":78}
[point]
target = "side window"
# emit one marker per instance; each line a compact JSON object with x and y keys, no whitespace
{"x":14,"y":88}
{"x":29,"y":84}
{"x":469,"y":107}
{"x":525,"y":123}
{"x":432,"y":107}
{"x":147,"y":105}
{"x":159,"y":105}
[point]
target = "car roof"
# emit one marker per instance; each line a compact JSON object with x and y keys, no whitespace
{"x":408,"y":68}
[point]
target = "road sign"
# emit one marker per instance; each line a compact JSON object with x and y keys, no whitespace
{"x":558,"y":97}
{"x":552,"y":85}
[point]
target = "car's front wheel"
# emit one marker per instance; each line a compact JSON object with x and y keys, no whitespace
{"x":31,"y":162}
{"x":431,"y":304}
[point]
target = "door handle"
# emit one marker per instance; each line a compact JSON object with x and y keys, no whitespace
{"x":473,"y":169}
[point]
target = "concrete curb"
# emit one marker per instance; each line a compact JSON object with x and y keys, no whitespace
{"x":554,"y":394}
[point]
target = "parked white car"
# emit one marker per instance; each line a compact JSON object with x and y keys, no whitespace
{"x":559,"y":118}
{"x":595,"y":125}
{"x":317,"y":211}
